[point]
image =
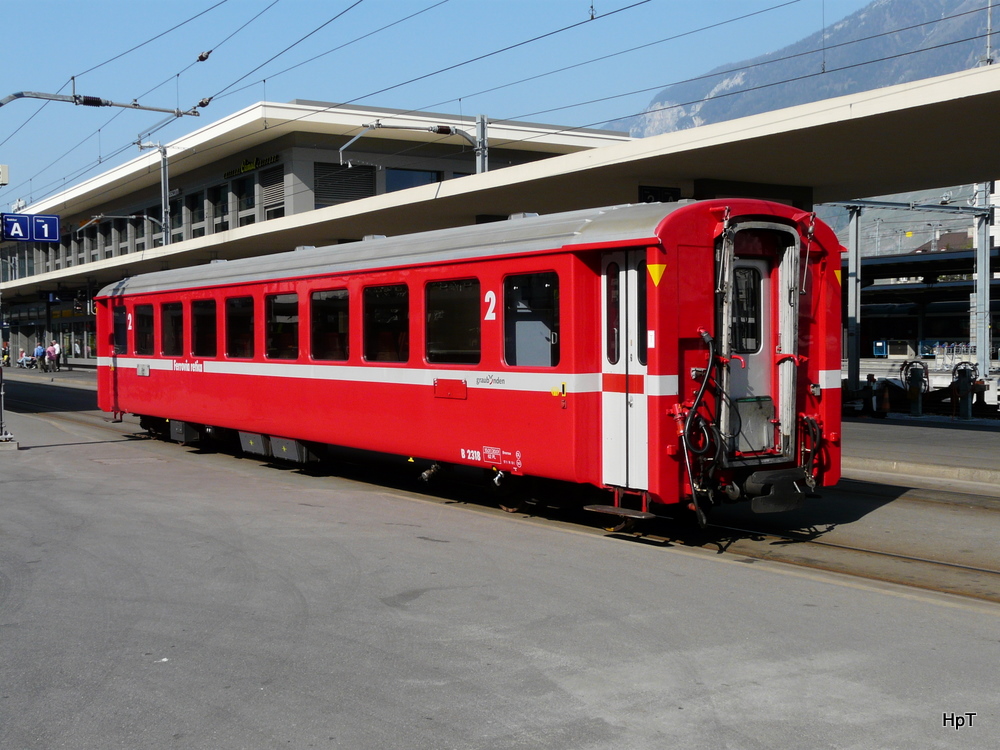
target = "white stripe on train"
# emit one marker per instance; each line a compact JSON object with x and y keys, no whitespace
{"x":656,"y":385}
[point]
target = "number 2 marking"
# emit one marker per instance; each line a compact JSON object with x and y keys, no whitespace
{"x":491,"y":300}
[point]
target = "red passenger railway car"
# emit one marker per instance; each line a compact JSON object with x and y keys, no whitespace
{"x":667,"y":353}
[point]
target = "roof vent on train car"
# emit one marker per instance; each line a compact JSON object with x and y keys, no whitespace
{"x":218,"y":260}
{"x":523,"y":215}
{"x":373,"y":237}
{"x":304,"y":247}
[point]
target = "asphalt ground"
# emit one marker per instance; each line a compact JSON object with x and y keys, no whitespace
{"x":154,"y":595}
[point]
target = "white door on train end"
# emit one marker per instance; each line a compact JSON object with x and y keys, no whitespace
{"x":624,"y":343}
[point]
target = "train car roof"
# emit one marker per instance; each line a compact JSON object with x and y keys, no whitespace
{"x":625,"y":223}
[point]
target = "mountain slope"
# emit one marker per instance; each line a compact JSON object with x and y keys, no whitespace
{"x":886,"y":43}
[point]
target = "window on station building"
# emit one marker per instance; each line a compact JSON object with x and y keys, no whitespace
{"x":329,"y":323}
{"x":121,"y":235}
{"x":105,"y":248}
{"x":144,"y":329}
{"x":531,"y":320}
{"x":218,"y":200}
{"x":239,"y":327}
{"x":244,"y":191}
{"x":401,"y":179}
{"x":176,"y":215}
{"x":453,"y":322}
{"x":194,"y":204}
{"x":172,"y":329}
{"x":281,"y":313}
{"x":387,"y":323}
{"x":204,"y":328}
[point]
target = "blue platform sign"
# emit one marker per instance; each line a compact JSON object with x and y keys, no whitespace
{"x":30,"y":228}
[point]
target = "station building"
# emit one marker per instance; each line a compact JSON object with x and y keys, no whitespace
{"x":265,"y":179}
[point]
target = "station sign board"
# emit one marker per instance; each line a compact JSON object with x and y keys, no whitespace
{"x":29,"y":228}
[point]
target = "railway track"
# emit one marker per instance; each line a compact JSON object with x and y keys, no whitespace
{"x":945,"y":576}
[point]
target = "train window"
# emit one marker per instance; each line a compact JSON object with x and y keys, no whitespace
{"x":172,"y":329}
{"x":531,"y":320}
{"x":453,"y":328}
{"x":641,"y":311}
{"x":119,"y":321}
{"x":203,"y":328}
{"x":612,"y":299}
{"x":329,"y":317}
{"x":143,"y":329}
{"x":239,"y":327}
{"x":281,"y":313}
{"x":387,"y":323}
{"x":746,"y":320}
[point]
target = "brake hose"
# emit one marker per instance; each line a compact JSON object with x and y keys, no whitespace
{"x":689,"y":420}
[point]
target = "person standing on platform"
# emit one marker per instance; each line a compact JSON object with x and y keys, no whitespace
{"x":50,"y":357}
{"x":40,"y":356}
{"x":55,"y":345}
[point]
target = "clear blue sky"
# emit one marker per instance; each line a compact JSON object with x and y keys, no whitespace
{"x":47,"y":42}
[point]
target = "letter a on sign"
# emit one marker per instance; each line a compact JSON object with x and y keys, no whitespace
{"x":15,"y":227}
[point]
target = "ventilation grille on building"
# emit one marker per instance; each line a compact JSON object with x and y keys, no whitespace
{"x":335,"y":183}
{"x":272,"y":186}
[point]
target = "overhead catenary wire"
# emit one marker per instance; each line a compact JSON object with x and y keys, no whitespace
{"x":570,"y":129}
{"x":741,"y":68}
{"x":776,"y":83}
{"x":204,"y":56}
{"x":611,"y":55}
{"x":675,"y":105}
{"x":201,"y":58}
{"x":117,"y":57}
{"x":31,"y":117}
{"x":152,"y":39}
{"x":339,"y":47}
{"x":765,"y":62}
{"x":737,"y":69}
{"x":467,"y":62}
{"x":291,"y":46}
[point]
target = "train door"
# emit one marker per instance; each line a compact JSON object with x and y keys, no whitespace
{"x":625,"y":421}
{"x":759,"y":338}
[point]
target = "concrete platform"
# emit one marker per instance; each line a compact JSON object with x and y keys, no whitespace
{"x":929,"y":451}
{"x":75,"y":378}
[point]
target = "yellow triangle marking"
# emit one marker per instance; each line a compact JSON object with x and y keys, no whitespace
{"x":839,"y":280}
{"x":656,"y":272}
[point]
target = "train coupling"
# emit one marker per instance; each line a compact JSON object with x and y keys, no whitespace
{"x":778,"y":490}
